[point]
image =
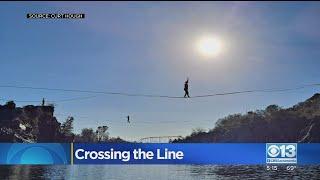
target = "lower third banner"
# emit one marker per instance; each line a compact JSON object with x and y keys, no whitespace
{"x":160,"y":153}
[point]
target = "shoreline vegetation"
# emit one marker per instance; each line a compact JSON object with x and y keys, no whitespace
{"x":300,"y":123}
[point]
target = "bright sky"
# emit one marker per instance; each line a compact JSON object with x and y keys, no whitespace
{"x":149,"y":47}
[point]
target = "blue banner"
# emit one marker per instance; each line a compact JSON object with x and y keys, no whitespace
{"x":197,"y":153}
{"x":160,"y":153}
{"x":164,"y":153}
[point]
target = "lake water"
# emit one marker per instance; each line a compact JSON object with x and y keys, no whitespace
{"x":155,"y":172}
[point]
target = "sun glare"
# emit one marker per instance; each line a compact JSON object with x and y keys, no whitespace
{"x":209,"y":46}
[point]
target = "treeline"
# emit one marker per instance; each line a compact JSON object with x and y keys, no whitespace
{"x":101,"y":134}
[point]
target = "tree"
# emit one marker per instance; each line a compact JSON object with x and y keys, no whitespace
{"x":11,"y":105}
{"x":88,"y":135}
{"x":197,"y":131}
{"x":272,"y":108}
{"x":102,"y":134}
{"x":67,"y":126}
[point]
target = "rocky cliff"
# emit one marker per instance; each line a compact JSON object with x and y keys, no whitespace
{"x":29,"y":124}
{"x":300,"y":123}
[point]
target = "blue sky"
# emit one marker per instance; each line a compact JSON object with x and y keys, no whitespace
{"x":148,"y":47}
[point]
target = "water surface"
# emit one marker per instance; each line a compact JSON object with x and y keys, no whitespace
{"x":154,"y":172}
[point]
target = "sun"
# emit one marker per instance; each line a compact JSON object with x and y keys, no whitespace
{"x":209,"y":46}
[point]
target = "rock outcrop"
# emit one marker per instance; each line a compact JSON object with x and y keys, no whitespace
{"x":29,"y":124}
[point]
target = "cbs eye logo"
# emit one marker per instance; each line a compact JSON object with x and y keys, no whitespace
{"x":281,"y":153}
{"x":273,"y":151}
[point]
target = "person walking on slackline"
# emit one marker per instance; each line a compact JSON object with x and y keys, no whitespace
{"x":186,"y":88}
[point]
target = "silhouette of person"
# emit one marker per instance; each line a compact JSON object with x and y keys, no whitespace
{"x":186,"y":89}
{"x":43,"y":101}
{"x":128,"y":119}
